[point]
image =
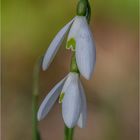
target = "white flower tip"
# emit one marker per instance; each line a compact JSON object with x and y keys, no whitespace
{"x":44,"y":66}
{"x":70,"y":124}
{"x":47,"y":59}
{"x":83,"y":115}
{"x":87,"y":76}
{"x":82,"y":126}
{"x":39,"y":115}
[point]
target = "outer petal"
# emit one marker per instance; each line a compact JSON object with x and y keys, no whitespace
{"x":83,"y":115}
{"x":50,"y":100}
{"x":71,"y":106}
{"x":54,"y":46}
{"x":85,"y":49}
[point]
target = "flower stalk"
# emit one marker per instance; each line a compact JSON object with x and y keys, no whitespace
{"x":69,"y":133}
{"x":35,"y":95}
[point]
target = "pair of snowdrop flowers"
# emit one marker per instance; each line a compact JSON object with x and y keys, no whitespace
{"x":70,"y":90}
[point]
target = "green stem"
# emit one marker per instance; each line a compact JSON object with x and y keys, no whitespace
{"x":35,"y":95}
{"x":69,"y":133}
{"x":35,"y":132}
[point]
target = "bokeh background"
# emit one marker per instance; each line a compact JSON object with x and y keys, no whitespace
{"x":28,"y":26}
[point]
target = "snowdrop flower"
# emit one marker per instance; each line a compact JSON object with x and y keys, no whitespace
{"x":72,"y":96}
{"x":79,"y":40}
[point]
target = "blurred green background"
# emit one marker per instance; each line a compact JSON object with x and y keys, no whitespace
{"x":28,"y":26}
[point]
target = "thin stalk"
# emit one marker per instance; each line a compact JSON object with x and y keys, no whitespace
{"x":35,"y":132}
{"x":35,"y":95}
{"x":69,"y":133}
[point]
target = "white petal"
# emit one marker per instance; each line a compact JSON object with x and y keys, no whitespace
{"x":83,"y":115}
{"x":85,"y":47}
{"x":71,"y":106}
{"x":85,"y":51}
{"x":76,"y":27}
{"x":71,"y":77}
{"x":50,"y":100}
{"x":54,"y":46}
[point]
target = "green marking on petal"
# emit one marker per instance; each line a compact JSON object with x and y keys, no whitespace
{"x":71,"y":43}
{"x":61,"y":97}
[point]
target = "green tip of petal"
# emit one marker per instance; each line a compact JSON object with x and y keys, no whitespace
{"x":71,"y":44}
{"x":61,"y":97}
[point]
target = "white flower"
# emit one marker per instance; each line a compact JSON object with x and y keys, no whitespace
{"x":72,"y":96}
{"x":80,"y":40}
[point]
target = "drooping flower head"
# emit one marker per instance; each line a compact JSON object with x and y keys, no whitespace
{"x":71,"y":95}
{"x":80,"y":40}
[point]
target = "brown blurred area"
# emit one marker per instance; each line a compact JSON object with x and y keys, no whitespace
{"x":112,"y":94}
